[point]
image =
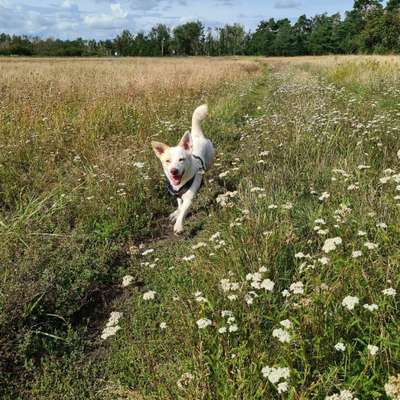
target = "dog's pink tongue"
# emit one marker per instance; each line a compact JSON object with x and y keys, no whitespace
{"x":176,"y":180}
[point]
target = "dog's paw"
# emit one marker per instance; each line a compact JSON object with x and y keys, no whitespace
{"x":178,"y":229}
{"x":173,"y":216}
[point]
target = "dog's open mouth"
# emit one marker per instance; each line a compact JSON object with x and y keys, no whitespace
{"x":176,"y":179}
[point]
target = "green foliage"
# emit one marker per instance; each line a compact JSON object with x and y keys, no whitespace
{"x":367,"y":28}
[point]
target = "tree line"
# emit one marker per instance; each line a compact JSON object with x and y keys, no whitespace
{"x":369,"y":27}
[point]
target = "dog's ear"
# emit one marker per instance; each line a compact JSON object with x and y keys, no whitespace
{"x":186,"y":142}
{"x":159,"y":148}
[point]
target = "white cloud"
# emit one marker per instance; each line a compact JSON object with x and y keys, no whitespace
{"x":68,"y":4}
{"x":287,"y":4}
{"x":115,"y":20}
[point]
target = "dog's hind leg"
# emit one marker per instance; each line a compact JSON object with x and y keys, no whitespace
{"x":187,"y":199}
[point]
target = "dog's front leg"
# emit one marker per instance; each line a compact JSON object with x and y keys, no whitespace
{"x":187,"y":199}
{"x":174,"y":215}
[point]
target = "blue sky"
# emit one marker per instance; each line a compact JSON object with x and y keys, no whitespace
{"x":102,"y":19}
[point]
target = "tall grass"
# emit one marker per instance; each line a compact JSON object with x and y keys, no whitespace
{"x":73,"y":200}
{"x":286,"y":282}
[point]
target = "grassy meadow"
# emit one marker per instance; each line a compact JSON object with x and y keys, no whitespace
{"x":285,"y":283}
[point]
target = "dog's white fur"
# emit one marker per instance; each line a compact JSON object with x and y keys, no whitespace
{"x":180,"y":166}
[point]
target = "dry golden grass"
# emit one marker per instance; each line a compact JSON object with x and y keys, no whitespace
{"x":71,"y":199}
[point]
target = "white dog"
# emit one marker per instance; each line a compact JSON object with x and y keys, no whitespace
{"x":184,"y":165}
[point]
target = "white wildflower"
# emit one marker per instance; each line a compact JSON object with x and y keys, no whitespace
{"x":163,"y":325}
{"x":282,"y":387}
{"x":370,"y":245}
{"x":199,"y":245}
{"x":286,"y":324}
{"x":224,"y":199}
{"x":215,"y":236}
{"x":340,"y":346}
{"x":233,"y":328}
{"x":324,"y":195}
{"x":203,"y":323}
{"x":127,"y":280}
{"x":282,"y":335}
{"x":149,"y":295}
{"x":111,"y":328}
{"x":267,"y":284}
{"x":324,"y":260}
{"x":371,"y":307}
{"x":330,"y":244}
{"x":297,"y":287}
{"x":274,"y":375}
{"x":372,"y":350}
{"x":184,"y":380}
{"x":109,"y":331}
{"x":343,"y":395}
{"x":356,"y":254}
{"x":114,"y":318}
{"x":392,"y":388}
{"x":389,"y":292}
{"x":350,"y":302}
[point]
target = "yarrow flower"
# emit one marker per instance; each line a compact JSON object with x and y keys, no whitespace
{"x":370,"y":246}
{"x":350,"y":302}
{"x":127,"y":280}
{"x":297,"y":287}
{"x":370,"y":307}
{"x":331,"y":244}
{"x":282,"y":335}
{"x":392,"y":388}
{"x":163,"y":325}
{"x":274,"y":375}
{"x":286,"y":324}
{"x":389,"y":292}
{"x":343,"y":395}
{"x":203,"y":323}
{"x":224,"y":199}
{"x":356,"y":254}
{"x":184,"y":380}
{"x":199,"y":245}
{"x":324,"y":260}
{"x":324,"y":195}
{"x":149,"y":295}
{"x":112,"y":326}
{"x":340,"y":346}
{"x":267,"y":284}
{"x":372,"y":350}
{"x":282,"y":387}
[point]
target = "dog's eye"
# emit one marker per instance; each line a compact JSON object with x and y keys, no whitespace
{"x":167,"y":161}
{"x":182,"y":159}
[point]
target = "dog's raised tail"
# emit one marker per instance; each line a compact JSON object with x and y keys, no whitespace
{"x":200,"y":113}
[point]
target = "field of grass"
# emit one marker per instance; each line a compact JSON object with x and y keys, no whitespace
{"x":285,"y":283}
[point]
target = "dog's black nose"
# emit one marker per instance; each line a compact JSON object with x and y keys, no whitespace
{"x":174,"y":171}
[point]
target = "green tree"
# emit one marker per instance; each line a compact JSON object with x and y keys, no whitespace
{"x":187,"y":38}
{"x":160,"y":36}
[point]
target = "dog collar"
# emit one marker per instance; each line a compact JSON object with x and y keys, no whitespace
{"x":181,"y":191}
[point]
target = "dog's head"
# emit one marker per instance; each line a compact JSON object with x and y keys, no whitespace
{"x":176,"y":160}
